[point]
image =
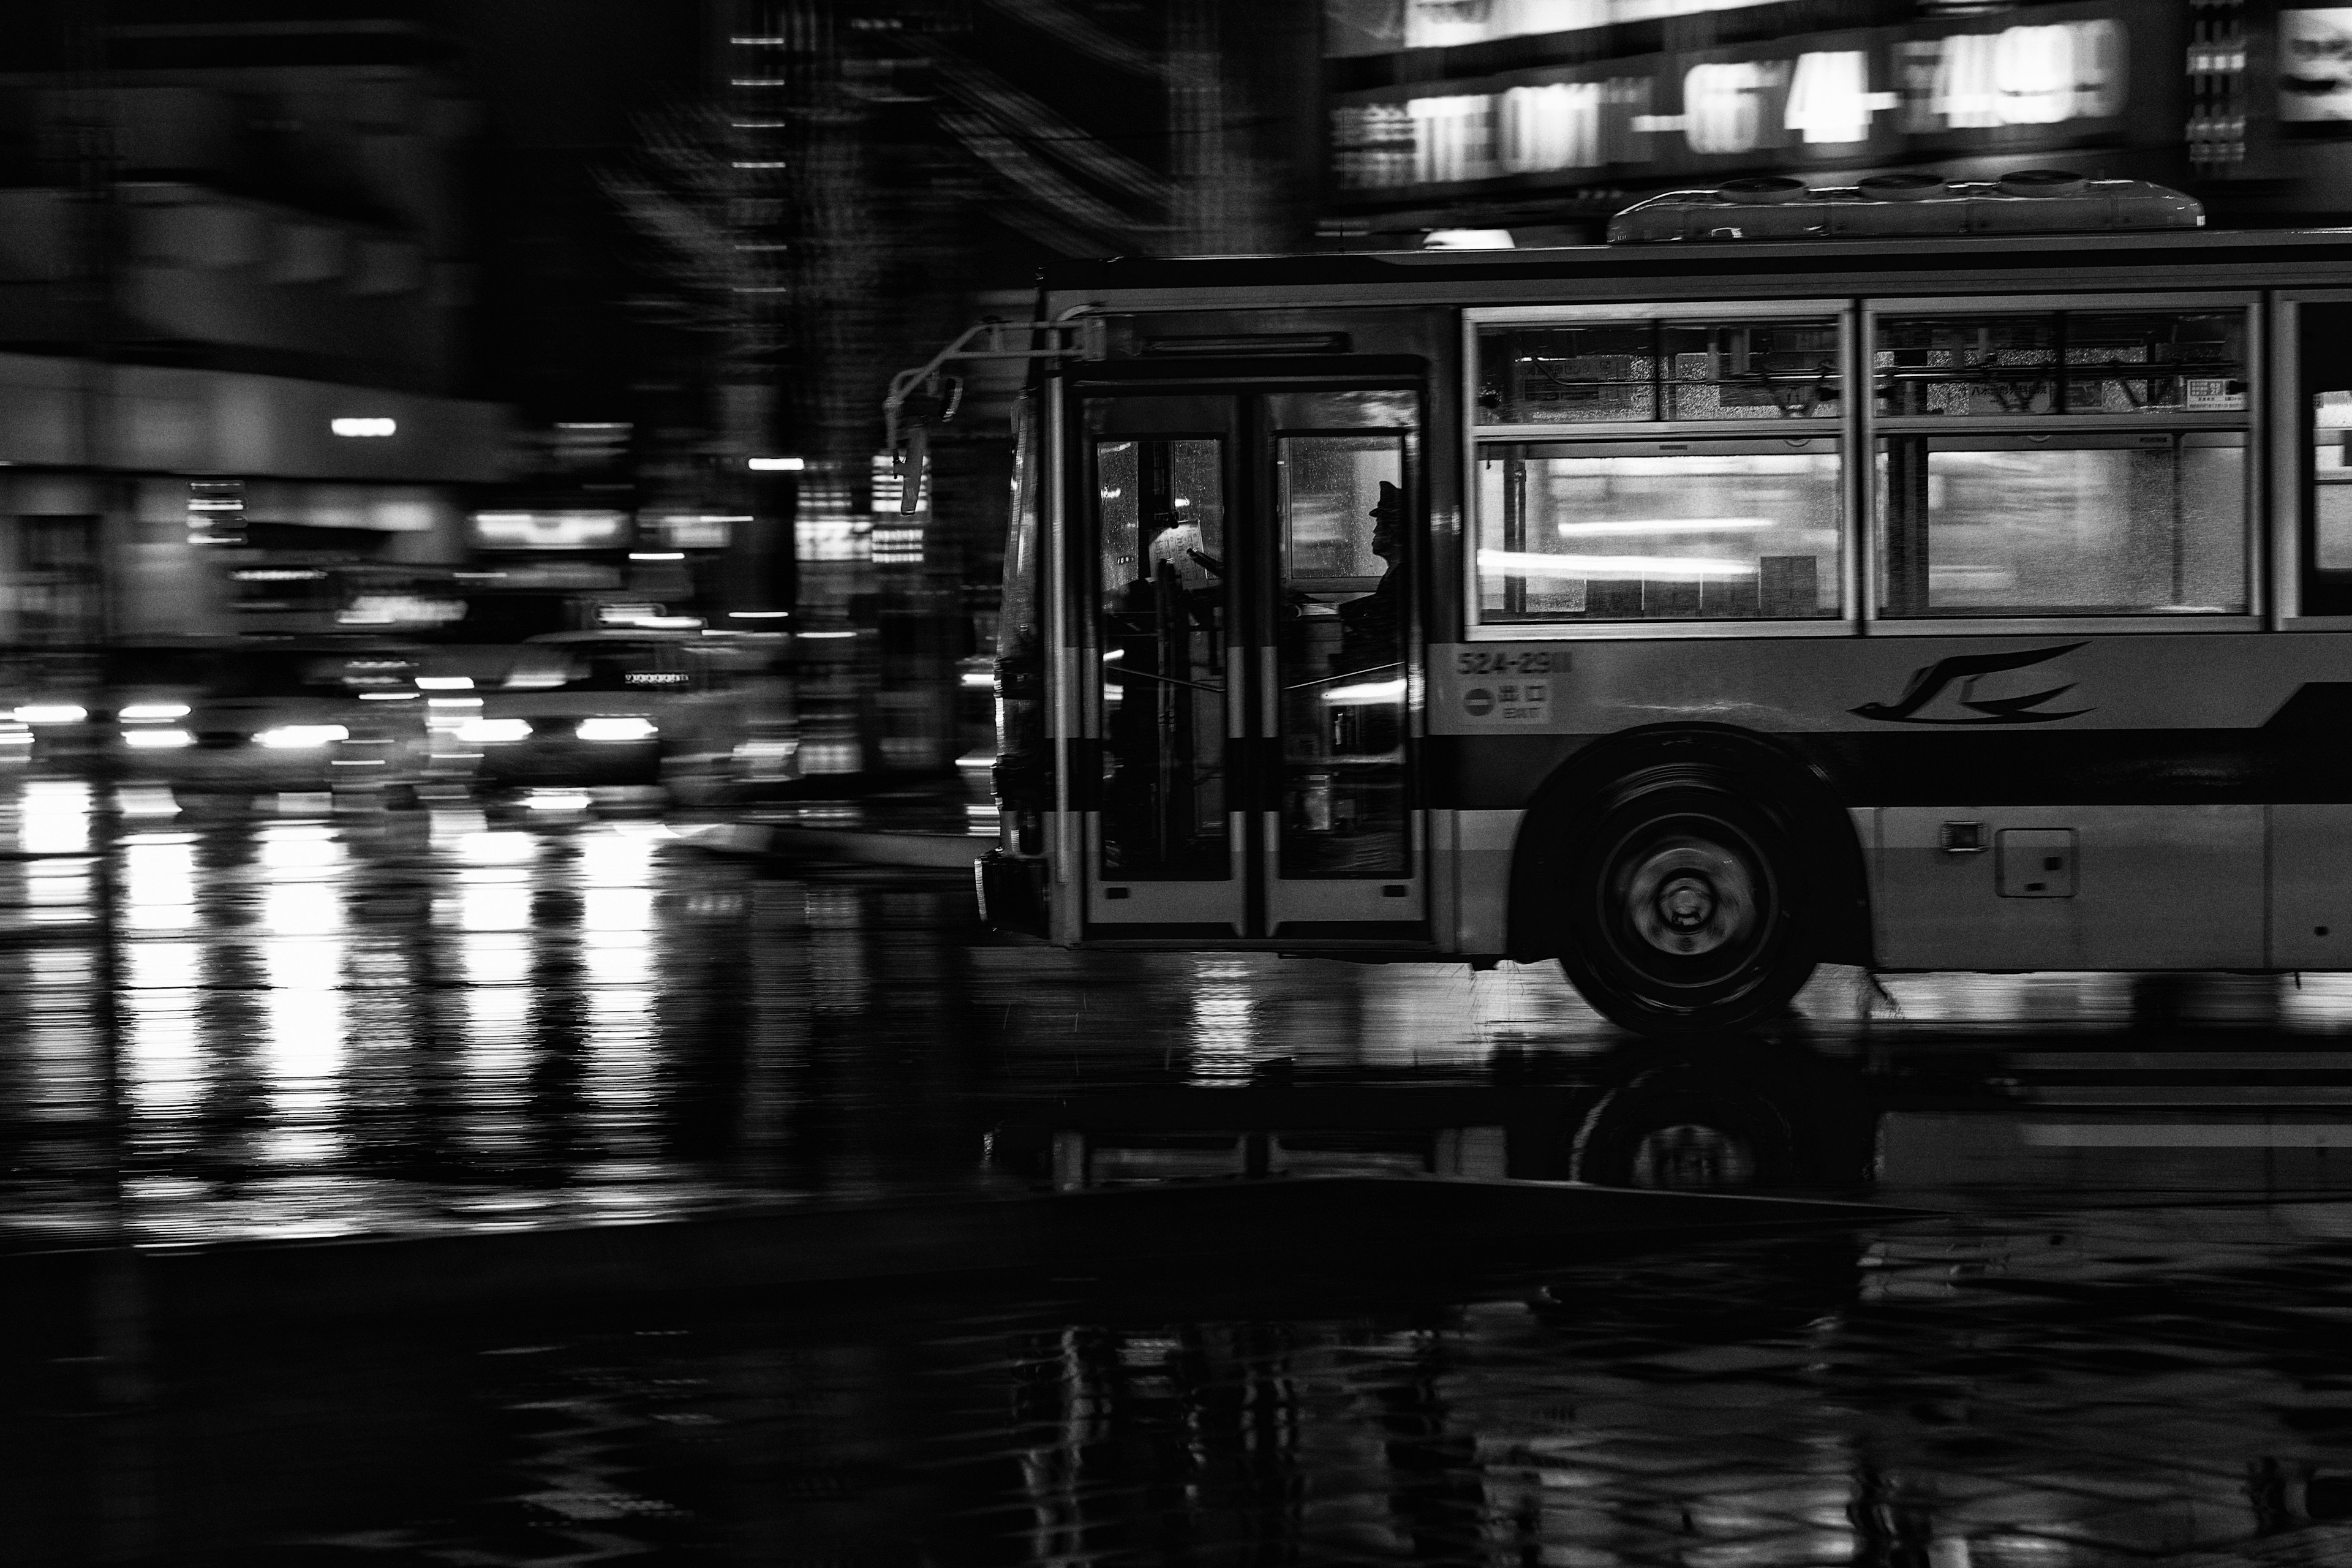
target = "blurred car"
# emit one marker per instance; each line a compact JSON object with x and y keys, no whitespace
{"x":584,"y":708}
{"x":262,"y":715}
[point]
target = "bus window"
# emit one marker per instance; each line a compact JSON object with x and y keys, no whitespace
{"x":1615,"y":371}
{"x":2324,"y":357}
{"x":2051,"y":361}
{"x":1649,"y":531}
{"x":2022,"y":511}
{"x":1163,"y":627}
{"x":1698,"y":520}
{"x":2095,"y":525}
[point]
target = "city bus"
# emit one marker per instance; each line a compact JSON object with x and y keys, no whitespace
{"x":1929,"y":579}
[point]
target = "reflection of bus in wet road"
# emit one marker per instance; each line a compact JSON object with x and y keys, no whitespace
{"x":1919,"y":1120}
{"x":2118,"y":1337}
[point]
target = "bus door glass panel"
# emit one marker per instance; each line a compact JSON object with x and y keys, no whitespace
{"x":1341,"y":655}
{"x":1684,"y":530}
{"x":1163,"y":623}
{"x":1343,"y":844}
{"x":2324,"y":360}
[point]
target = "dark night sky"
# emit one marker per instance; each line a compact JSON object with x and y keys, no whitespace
{"x":559,"y":81}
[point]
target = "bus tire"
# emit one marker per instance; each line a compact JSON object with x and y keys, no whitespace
{"x":1689,"y":911}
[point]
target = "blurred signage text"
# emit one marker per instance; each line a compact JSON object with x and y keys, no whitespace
{"x":1924,"y":88}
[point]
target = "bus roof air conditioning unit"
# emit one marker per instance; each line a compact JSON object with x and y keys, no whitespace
{"x":2031,"y":201}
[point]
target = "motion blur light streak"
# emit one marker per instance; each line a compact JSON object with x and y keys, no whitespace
{"x":625,"y":728}
{"x":297,"y":737}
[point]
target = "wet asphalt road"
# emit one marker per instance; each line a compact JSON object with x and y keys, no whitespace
{"x":2119,"y":1336}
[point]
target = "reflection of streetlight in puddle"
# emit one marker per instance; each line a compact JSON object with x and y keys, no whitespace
{"x":163,"y":1065}
{"x":54,"y":818}
{"x":1223,"y":1027}
{"x":303,"y":1050}
{"x":615,"y":873}
{"x":159,"y":881}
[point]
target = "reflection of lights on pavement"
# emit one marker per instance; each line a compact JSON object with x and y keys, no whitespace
{"x":163,"y":1064}
{"x":1223,"y":1027}
{"x":159,"y":883}
{"x":55,"y":817}
{"x":304,"y":873}
{"x":497,"y":848}
{"x":496,"y":958}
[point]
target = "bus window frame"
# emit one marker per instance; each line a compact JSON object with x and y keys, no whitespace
{"x":2290,"y":535}
{"x":2257,"y":423}
{"x":1845,"y":429}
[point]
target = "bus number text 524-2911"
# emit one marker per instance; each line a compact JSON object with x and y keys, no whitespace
{"x":1512,"y":661}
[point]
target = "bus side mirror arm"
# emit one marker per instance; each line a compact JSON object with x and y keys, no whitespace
{"x":1080,"y":337}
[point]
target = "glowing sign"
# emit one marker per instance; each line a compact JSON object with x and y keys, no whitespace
{"x":550,"y":530}
{"x":1916,"y":80}
{"x":2315,"y":63}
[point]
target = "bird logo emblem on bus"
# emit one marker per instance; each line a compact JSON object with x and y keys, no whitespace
{"x":1918,"y":704}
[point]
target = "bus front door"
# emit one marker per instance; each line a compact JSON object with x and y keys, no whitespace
{"x":1249,"y":660}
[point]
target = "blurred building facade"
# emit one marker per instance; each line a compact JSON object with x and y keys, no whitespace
{"x":234,"y":296}
{"x":1541,"y":117}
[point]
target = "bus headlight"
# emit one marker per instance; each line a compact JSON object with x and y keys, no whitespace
{"x":493,"y":732}
{"x":151,"y":712}
{"x":297,"y":737}
{"x":157,"y":739}
{"x":624,"y":729}
{"x":51,"y":713}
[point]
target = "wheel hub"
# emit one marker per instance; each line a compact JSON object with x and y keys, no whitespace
{"x":1688,"y":897}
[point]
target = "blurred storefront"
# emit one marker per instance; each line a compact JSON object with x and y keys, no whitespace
{"x":1541,"y":117}
{"x":235,"y":296}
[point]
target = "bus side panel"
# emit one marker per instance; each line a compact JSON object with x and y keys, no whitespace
{"x":2311,"y":886}
{"x":1484,"y":841}
{"x":2070,"y":887}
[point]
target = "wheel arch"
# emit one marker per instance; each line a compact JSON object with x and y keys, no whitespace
{"x":1801,"y":787}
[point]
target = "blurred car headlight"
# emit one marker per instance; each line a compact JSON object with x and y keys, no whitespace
{"x":491,"y":732}
{"x":294,"y":737}
{"x":51,"y":713}
{"x":151,"y":712}
{"x":623,"y":729}
{"x":157,"y":739}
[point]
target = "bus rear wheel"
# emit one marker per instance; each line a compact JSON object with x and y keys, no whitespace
{"x":1688,"y":908}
